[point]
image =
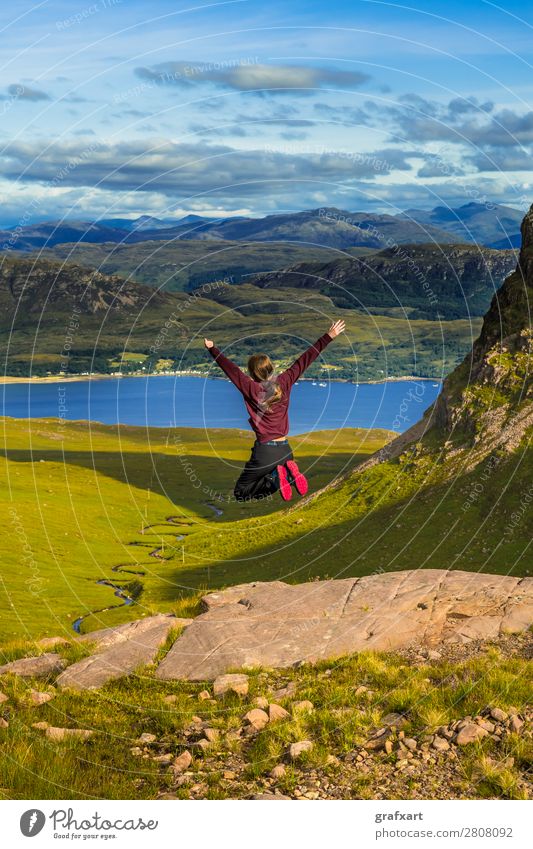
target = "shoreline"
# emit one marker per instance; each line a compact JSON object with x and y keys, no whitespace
{"x":7,"y":380}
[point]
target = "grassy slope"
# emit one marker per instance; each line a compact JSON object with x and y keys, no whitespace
{"x":75,"y":497}
{"x":183,"y":264}
{"x":431,"y":694}
{"x":73,"y":517}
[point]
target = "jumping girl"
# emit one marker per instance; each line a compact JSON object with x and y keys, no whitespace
{"x":266,"y":396}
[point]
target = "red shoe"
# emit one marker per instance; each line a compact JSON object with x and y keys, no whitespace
{"x":299,"y":480}
{"x":284,"y":485}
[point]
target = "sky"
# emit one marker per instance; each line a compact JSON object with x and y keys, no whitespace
{"x":120,"y":108}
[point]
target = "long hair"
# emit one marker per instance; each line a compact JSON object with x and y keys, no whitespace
{"x":261,"y":369}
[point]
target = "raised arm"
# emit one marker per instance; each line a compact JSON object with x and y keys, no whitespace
{"x":303,"y":362}
{"x":230,"y":369}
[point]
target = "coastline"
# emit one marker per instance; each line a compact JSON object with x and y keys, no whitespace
{"x":7,"y":380}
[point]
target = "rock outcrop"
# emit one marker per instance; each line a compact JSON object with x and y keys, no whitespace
{"x":278,"y":625}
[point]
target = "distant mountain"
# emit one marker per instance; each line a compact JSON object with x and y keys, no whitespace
{"x":492,"y":224}
{"x":421,"y":281}
{"x":327,"y":227}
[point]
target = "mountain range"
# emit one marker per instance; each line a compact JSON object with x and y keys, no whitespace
{"x":487,"y":224}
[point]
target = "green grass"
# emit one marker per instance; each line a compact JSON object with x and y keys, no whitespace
{"x":80,"y":498}
{"x":104,"y":767}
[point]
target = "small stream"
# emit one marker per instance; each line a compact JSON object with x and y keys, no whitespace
{"x":120,"y":592}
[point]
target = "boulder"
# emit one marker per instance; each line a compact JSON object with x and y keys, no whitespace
{"x":182,"y":762}
{"x":223,"y":684}
{"x":277,"y":625}
{"x":104,"y":638}
{"x":121,"y":658}
{"x":256,"y":718}
{"x":42,"y":666}
{"x":276,"y":713}
{"x":469,"y":733}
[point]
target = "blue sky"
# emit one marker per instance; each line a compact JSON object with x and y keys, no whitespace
{"x":119,"y":107}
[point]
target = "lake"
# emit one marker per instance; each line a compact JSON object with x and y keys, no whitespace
{"x":206,"y":402}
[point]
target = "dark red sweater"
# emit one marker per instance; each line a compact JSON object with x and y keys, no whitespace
{"x":272,"y":423}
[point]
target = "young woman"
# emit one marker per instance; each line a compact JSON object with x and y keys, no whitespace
{"x":266,"y":396}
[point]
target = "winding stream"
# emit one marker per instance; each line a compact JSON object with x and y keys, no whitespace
{"x":157,"y":552}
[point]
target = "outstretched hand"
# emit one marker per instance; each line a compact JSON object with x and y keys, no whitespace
{"x":208,"y":343}
{"x":336,"y":328}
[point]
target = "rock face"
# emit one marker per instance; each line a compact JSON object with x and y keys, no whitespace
{"x":136,"y":644}
{"x":41,"y":666}
{"x":278,"y":625}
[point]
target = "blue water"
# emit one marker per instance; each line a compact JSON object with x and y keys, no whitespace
{"x":207,"y":403}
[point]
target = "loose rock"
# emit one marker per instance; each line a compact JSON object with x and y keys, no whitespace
{"x":469,"y":733}
{"x":256,"y":718}
{"x":236,"y":683}
{"x":182,"y":762}
{"x":277,"y":713}
{"x":59,"y":734}
{"x":296,"y":750}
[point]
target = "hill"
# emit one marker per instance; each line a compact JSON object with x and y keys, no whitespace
{"x":488,"y":224}
{"x":183,"y":265}
{"x":63,"y":317}
{"x":420,"y":281}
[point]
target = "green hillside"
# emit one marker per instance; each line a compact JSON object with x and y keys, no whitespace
{"x":56,"y":317}
{"x":184,"y":264}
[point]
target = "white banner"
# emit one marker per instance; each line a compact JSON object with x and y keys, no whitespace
{"x":251,"y":824}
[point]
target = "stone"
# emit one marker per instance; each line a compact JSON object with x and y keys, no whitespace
{"x":260,"y":623}
{"x":270,"y":797}
{"x":498,"y":714}
{"x":42,"y":666}
{"x":388,"y":746}
{"x":277,"y":713}
{"x":488,"y":726}
{"x":52,"y":642}
{"x":40,"y":725}
{"x":278,"y":771}
{"x":104,"y":638}
{"x":410,"y":742}
{"x":378,"y":740}
{"x":136,"y":751}
{"x":165,"y":758}
{"x":223,"y":684}
{"x":469,"y":733}
{"x":515,"y":723}
{"x":37,"y":697}
{"x":147,"y":738}
{"x":3,"y":722}
{"x":440,"y":744}
{"x":361,"y":690}
{"x":261,"y":702}
{"x":394,"y":720}
{"x":60,"y":734}
{"x":182,"y":762}
{"x":296,"y":750}
{"x":204,"y":695}
{"x":304,"y":706}
{"x":202,"y":744}
{"x":228,"y":775}
{"x":170,"y":700}
{"x":212,"y":734}
{"x":139,"y":646}
{"x":284,"y":692}
{"x":431,"y":654}
{"x":256,"y":718}
{"x":3,"y":698}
